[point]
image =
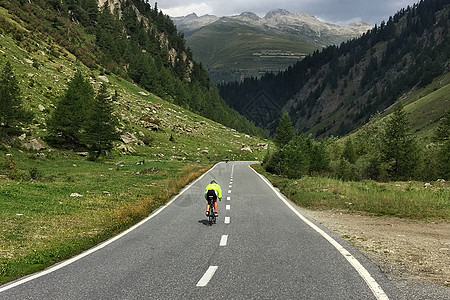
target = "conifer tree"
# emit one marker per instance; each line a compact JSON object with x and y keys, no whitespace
{"x":101,"y":125}
{"x":442,"y":137}
{"x":285,"y":131}
{"x":67,"y":122}
{"x":11,"y":111}
{"x":399,"y":148}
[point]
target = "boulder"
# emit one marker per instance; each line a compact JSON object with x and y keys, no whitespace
{"x":103,"y":78}
{"x":34,"y":144}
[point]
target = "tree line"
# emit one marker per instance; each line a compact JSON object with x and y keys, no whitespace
{"x":81,"y":120}
{"x":381,"y":150}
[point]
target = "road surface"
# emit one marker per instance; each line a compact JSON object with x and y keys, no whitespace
{"x":261,"y":248}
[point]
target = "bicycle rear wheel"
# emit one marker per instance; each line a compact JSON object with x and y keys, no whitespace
{"x":211,"y":217}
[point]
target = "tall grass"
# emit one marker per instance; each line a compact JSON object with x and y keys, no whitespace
{"x":409,"y":200}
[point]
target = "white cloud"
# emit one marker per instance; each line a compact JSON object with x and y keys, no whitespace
{"x":183,"y":10}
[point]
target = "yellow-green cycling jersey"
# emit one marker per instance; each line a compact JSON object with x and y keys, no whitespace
{"x":215,"y":187}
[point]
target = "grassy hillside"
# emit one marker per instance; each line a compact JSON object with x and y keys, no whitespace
{"x":55,"y":203}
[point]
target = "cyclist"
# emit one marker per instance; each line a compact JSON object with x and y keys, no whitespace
{"x":212,"y":192}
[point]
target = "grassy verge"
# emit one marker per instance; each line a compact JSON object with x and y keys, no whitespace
{"x":41,"y":223}
{"x":409,"y":200}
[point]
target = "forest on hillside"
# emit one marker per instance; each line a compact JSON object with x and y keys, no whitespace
{"x":358,"y":78}
{"x":382,"y":150}
{"x":132,"y":40}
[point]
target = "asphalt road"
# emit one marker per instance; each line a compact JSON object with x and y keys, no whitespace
{"x":260,"y":248}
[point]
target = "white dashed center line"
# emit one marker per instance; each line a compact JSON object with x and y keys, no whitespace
{"x":227,"y":220}
{"x":223,"y":240}
{"x":207,"y":276}
{"x":228,"y":207}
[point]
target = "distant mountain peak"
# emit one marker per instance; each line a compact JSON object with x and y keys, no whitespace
{"x":277,"y":12}
{"x":250,"y":15}
{"x":191,"y":16}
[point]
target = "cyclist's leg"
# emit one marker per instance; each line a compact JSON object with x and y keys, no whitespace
{"x":215,"y":206}
{"x":207,"y":207}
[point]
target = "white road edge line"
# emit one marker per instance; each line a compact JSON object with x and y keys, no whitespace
{"x":102,"y":245}
{"x":207,"y":276}
{"x":373,"y":285}
{"x":223,"y":240}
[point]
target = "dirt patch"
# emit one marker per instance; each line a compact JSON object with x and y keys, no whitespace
{"x":404,"y":249}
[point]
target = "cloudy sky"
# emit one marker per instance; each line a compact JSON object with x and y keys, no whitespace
{"x":339,"y":12}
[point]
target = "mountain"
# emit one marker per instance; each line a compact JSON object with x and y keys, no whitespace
{"x":337,"y":89}
{"x":246,"y":45}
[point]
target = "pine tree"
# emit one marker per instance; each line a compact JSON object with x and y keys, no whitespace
{"x":11,"y":111}
{"x":442,"y":137}
{"x":399,"y":148}
{"x":101,"y":125}
{"x":67,"y":122}
{"x":285,"y":131}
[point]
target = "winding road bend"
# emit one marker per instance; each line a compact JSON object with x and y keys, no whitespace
{"x":262,"y":247}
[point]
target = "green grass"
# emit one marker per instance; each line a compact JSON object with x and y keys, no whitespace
{"x":408,"y":200}
{"x":426,"y":112}
{"x":42,"y":224}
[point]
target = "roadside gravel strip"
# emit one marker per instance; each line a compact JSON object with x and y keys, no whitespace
{"x":373,"y":285}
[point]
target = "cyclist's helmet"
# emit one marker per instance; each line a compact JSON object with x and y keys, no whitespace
{"x":213,"y":181}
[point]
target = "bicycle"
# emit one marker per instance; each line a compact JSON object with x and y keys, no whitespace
{"x":211,"y":214}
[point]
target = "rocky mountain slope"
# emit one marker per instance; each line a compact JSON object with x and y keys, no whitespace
{"x":249,"y":44}
{"x":338,"y":89}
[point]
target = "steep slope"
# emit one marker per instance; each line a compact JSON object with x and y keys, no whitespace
{"x":247,"y":45}
{"x":149,"y":126}
{"x":337,"y":89}
{"x":127,"y":38}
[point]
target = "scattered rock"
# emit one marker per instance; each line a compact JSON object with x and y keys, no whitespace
{"x":103,"y":78}
{"x":427,"y":185}
{"x":143,"y":94}
{"x":76,"y":195}
{"x":246,"y":148}
{"x":83,"y":153}
{"x":120,"y":163}
{"x":126,"y":148}
{"x":263,"y":145}
{"x":41,"y":107}
{"x":34,"y":144}
{"x":22,"y":137}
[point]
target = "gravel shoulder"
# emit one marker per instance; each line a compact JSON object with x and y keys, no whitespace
{"x":411,"y":253}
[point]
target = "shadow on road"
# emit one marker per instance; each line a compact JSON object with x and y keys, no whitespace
{"x":204,"y":222}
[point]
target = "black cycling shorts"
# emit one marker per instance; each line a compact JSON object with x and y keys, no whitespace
{"x":211,"y":196}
